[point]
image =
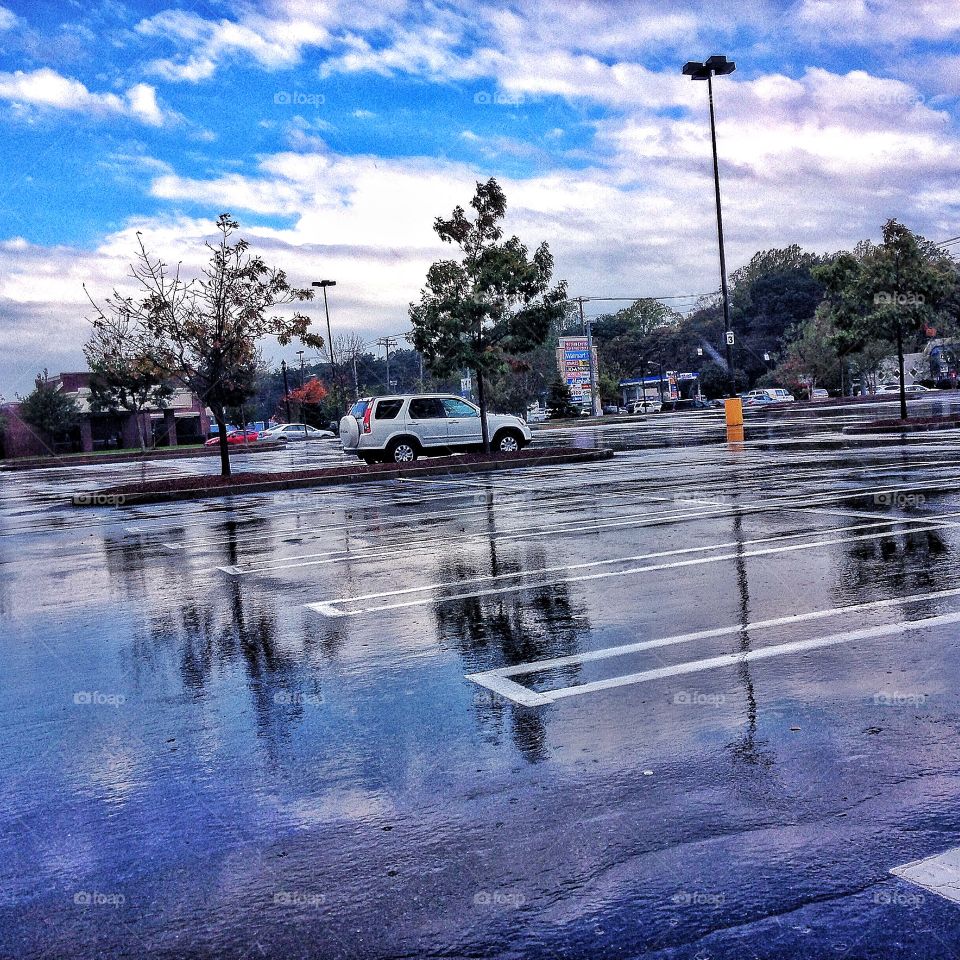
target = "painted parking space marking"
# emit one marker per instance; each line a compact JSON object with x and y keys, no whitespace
{"x":578,"y":527}
{"x":334,"y":608}
{"x":940,"y":874}
{"x":500,"y":680}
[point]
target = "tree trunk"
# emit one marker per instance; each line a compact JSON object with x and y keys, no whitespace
{"x":903,"y":388}
{"x":139,"y":417}
{"x":224,"y":446}
{"x":482,"y":398}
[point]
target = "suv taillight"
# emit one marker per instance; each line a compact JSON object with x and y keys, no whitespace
{"x":366,"y":418}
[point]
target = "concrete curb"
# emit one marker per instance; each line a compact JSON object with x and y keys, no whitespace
{"x":358,"y":475}
{"x":54,"y":462}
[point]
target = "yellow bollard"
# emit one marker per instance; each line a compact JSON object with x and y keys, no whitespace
{"x":733,"y":407}
{"x":735,"y":437}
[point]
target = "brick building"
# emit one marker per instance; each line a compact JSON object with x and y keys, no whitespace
{"x":183,"y":420}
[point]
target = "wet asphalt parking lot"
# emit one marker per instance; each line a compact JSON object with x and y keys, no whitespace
{"x":696,"y":701}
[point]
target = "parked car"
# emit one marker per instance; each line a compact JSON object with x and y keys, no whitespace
{"x":296,"y":431}
{"x":537,"y":414}
{"x":818,"y":393}
{"x":765,"y":395}
{"x":645,"y":406}
{"x":234,"y":436}
{"x":402,"y":428}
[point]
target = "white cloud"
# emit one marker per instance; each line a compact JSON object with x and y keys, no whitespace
{"x":47,"y":89}
{"x":840,"y":22}
{"x":8,"y":19}
{"x":271,"y":43}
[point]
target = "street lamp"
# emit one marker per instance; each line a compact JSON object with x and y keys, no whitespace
{"x":323,"y":284}
{"x":720,"y":67}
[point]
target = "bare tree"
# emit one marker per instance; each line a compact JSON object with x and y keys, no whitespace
{"x":204,"y":331}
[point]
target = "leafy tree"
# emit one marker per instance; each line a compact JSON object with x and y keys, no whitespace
{"x":46,"y":408}
{"x":206,"y":330}
{"x":771,"y":298}
{"x":310,"y":400}
{"x":811,"y":358}
{"x":625,"y":340}
{"x":892,"y":291}
{"x":125,"y":373}
{"x":493,"y":303}
{"x":559,"y":400}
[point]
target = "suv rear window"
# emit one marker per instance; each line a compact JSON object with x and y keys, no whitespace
{"x":359,"y":409}
{"x":388,"y":409}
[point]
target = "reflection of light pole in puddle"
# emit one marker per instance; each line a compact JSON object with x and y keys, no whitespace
{"x":746,"y":746}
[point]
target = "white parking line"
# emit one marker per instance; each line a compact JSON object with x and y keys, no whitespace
{"x":331,"y":608}
{"x":801,"y":501}
{"x":939,"y":874}
{"x":500,"y":682}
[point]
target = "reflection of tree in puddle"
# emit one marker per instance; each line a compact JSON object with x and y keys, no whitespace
{"x":497,"y":630}
{"x":901,"y":563}
{"x":220,"y":625}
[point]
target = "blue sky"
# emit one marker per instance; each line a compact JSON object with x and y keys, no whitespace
{"x":337,"y":131}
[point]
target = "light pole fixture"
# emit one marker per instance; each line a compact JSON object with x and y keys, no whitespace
{"x":719,"y":67}
{"x":323,"y":284}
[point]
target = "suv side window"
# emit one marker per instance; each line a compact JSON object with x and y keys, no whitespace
{"x":388,"y":409}
{"x":459,"y":408}
{"x":426,"y":408}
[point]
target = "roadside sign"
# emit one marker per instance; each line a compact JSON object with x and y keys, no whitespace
{"x":466,"y":384}
{"x":730,"y":338}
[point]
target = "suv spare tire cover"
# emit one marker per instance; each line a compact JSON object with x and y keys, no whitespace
{"x":349,"y":431}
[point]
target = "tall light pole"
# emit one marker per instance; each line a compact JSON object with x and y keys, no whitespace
{"x":323,"y":284}
{"x":720,"y":67}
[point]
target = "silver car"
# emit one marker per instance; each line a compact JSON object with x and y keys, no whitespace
{"x":295,"y":431}
{"x":402,"y":428}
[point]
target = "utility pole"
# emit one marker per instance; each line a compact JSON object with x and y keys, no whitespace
{"x":387,"y":343}
{"x":286,"y":389}
{"x":587,"y":326}
{"x":300,"y":355}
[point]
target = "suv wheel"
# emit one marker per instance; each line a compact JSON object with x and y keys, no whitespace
{"x":402,"y":451}
{"x":509,"y":441}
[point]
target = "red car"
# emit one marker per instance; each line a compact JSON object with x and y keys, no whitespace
{"x":235,"y":436}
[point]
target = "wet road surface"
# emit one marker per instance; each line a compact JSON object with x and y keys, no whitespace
{"x":696,"y":701}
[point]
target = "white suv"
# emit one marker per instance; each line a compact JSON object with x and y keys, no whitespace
{"x":401,"y":428}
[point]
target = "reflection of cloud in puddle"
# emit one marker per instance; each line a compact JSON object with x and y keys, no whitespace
{"x":116,"y":772}
{"x":344,"y":805}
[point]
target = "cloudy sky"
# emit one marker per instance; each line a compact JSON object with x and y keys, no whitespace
{"x":336,"y":131}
